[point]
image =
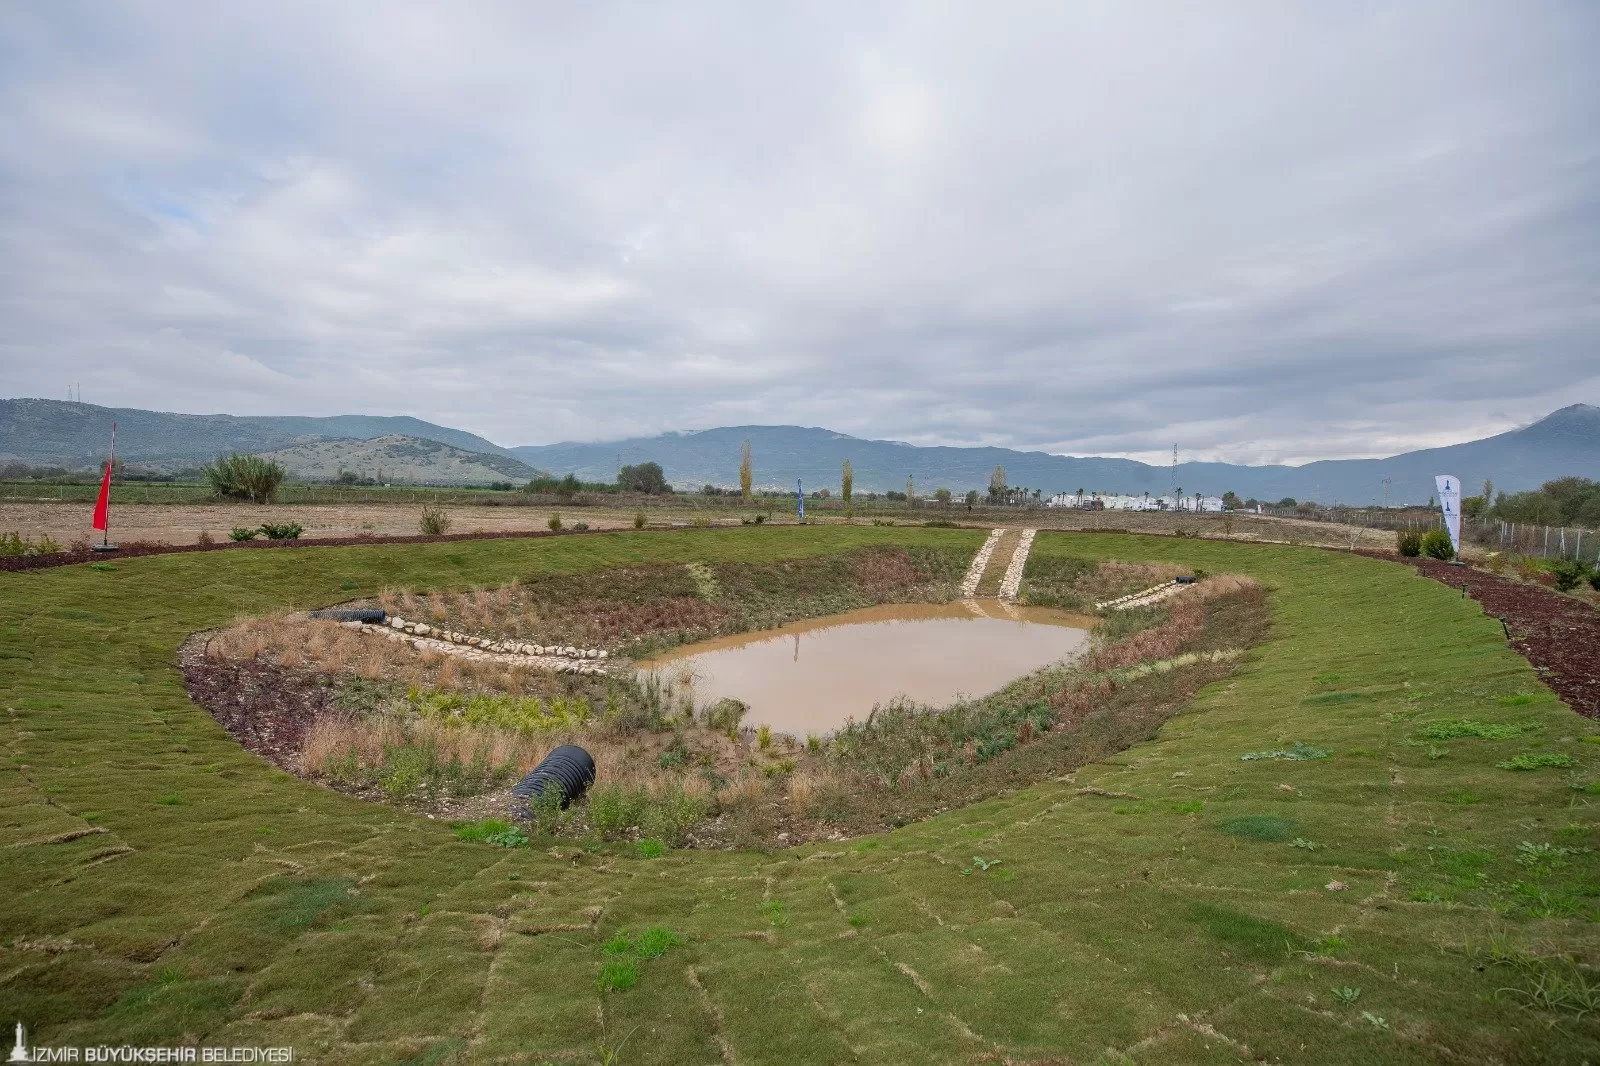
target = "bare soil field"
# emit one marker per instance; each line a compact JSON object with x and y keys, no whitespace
{"x":183,"y":523}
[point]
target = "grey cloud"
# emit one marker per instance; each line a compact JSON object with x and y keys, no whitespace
{"x":1267,"y":233}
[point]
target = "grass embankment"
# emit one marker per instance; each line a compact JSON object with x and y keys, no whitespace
{"x":1403,"y":898}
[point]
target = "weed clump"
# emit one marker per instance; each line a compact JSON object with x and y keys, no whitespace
{"x":1408,"y":542}
{"x":1460,"y":728}
{"x":1530,"y":760}
{"x":434,"y":521}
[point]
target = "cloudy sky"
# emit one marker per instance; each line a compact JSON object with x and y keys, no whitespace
{"x":1266,"y":231}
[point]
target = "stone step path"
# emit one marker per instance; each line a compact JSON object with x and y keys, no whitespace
{"x":999,"y":559}
{"x":980,"y":563}
{"x":1143,"y":598}
{"x":1011,"y":583}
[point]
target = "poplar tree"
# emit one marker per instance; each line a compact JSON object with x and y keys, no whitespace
{"x":746,"y":470}
{"x":847,"y":481}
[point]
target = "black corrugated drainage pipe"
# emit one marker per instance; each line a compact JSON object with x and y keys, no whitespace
{"x":371,"y":617}
{"x":568,"y":768}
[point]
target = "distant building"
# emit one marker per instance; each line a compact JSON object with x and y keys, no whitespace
{"x":1094,"y":501}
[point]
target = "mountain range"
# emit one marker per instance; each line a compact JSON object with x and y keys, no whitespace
{"x":1566,"y":442}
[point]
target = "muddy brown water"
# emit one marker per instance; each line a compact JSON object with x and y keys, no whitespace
{"x":814,"y":676}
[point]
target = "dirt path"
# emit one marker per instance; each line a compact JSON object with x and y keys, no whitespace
{"x":1559,"y":635}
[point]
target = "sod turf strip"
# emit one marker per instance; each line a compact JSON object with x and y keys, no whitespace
{"x":158,"y":884}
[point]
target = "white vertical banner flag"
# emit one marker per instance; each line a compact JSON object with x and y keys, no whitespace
{"x":1450,"y":504}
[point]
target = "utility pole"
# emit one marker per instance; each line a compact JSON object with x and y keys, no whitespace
{"x":1386,"y":492}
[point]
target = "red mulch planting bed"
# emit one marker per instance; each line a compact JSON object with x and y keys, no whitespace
{"x":266,"y":708}
{"x":1558,"y":634}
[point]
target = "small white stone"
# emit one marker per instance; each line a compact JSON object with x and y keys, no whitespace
{"x":601,"y":654}
{"x":397,"y":622}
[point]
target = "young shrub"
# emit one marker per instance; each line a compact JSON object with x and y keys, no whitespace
{"x":240,"y":534}
{"x":638,"y":519}
{"x":281,"y":530}
{"x":764,"y":737}
{"x":205,"y":539}
{"x":1436,"y":545}
{"x":555,"y":523}
{"x":244,"y":477}
{"x":434,"y":522}
{"x":580,"y":526}
{"x":1568,"y":574}
{"x":1409,"y":543}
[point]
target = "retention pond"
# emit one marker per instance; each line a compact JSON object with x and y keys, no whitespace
{"x":814,"y":676}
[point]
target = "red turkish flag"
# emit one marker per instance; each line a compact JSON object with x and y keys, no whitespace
{"x":103,"y":504}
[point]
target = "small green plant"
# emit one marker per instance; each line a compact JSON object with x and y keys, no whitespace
{"x":240,"y":534}
{"x":1375,"y":1021}
{"x":496,"y":831}
{"x":618,"y":974}
{"x":1436,"y":545}
{"x":434,"y":521}
{"x":281,"y":530}
{"x":651,"y":849}
{"x":555,"y":522}
{"x":1409,"y":543}
{"x":764,"y":737}
{"x":1189,"y":807}
{"x":579,"y":527}
{"x":985,"y":864}
{"x":1346,"y":995}
{"x":1435,"y":752}
{"x":772,"y":911}
{"x":1536,"y":760}
{"x":1302,"y":842}
{"x":856,"y":919}
{"x":813,"y":744}
{"x":1462,"y":796}
{"x":657,"y":941}
{"x":639,"y":519}
{"x":171,"y":799}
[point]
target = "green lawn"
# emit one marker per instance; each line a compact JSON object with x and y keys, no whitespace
{"x":158,"y":884}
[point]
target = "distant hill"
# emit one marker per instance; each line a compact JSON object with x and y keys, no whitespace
{"x":53,"y":432}
{"x":57,"y":432}
{"x":397,"y":460}
{"x":1565,"y":442}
